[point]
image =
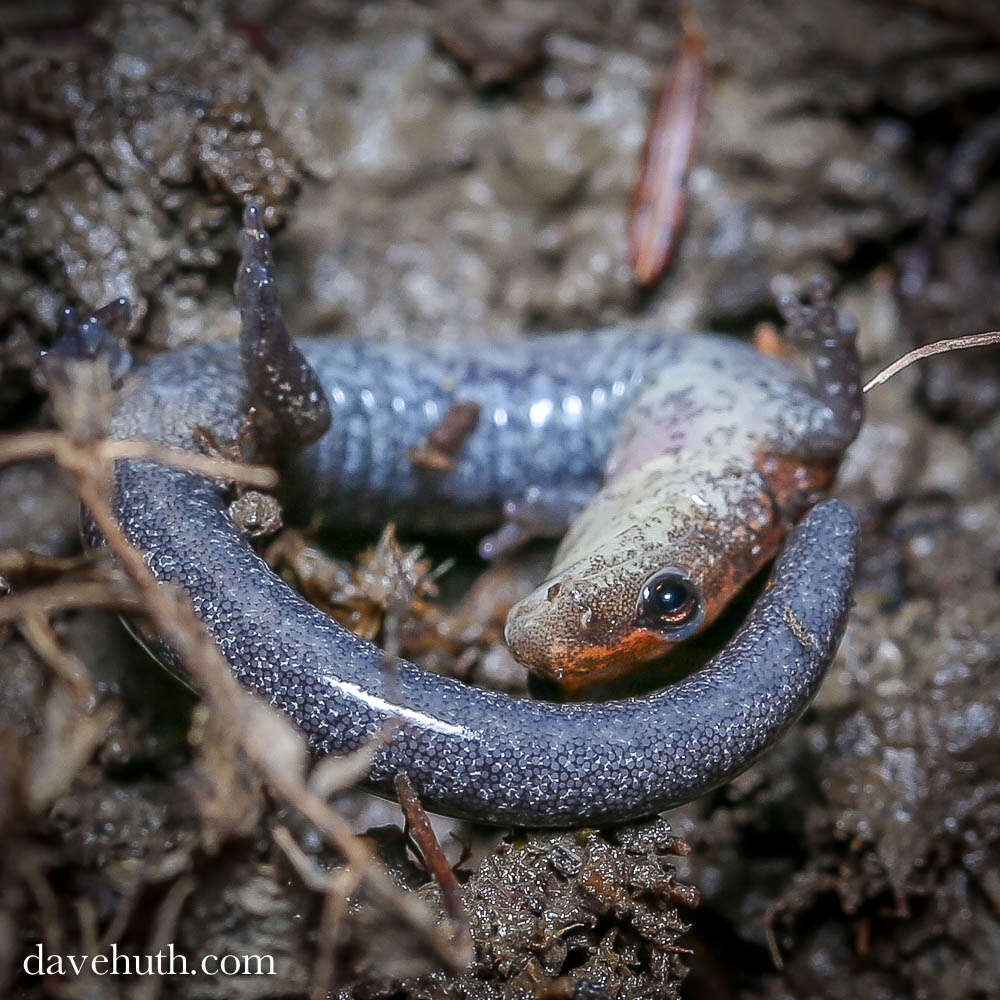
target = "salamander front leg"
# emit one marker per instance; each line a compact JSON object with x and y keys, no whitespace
{"x":829,"y":336}
{"x":291,"y":406}
{"x":539,"y":513}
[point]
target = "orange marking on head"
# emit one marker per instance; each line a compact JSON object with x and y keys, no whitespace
{"x":718,"y":556}
{"x":768,"y":341}
{"x":579,"y":666}
{"x":795,"y":484}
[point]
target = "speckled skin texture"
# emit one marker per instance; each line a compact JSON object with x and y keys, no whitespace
{"x":548,"y":419}
{"x":720,"y":451}
{"x":675,"y":428}
{"x":470,"y":752}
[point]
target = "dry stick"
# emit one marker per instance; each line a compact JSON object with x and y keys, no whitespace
{"x":312,"y":876}
{"x":434,"y":858}
{"x":177,"y":624}
{"x":163,"y":932}
{"x":41,"y":637}
{"x":659,"y":198}
{"x":90,"y":463}
{"x":25,"y":563}
{"x":333,"y":775}
{"x":123,"y":913}
{"x":990,"y":339}
{"x":325,"y":965}
{"x":70,"y":597}
{"x":56,"y":445}
{"x":86,"y":918}
{"x":168,"y":866}
{"x":30,"y":866}
{"x":330,"y":922}
{"x":336,"y":887}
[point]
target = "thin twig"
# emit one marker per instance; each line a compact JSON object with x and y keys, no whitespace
{"x":163,"y":932}
{"x":333,"y":775}
{"x":175,"y":621}
{"x":56,"y":445}
{"x":31,"y":867}
{"x":990,"y":339}
{"x":86,"y":917}
{"x":20,"y":563}
{"x":313,"y":876}
{"x":70,"y":597}
{"x":337,"y":887}
{"x":434,"y":860}
{"x":123,"y":913}
{"x":81,"y":450}
{"x":40,"y":636}
{"x":330,"y":923}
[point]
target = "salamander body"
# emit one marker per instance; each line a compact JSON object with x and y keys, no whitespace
{"x":678,"y":463}
{"x":644,"y":451}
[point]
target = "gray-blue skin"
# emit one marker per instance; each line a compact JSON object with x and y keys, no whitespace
{"x":468,"y":752}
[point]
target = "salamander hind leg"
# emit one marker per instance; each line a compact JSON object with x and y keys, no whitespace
{"x":813,"y":425}
{"x":829,"y":337}
{"x":540,"y":513}
{"x":93,"y":338}
{"x":292,"y":409}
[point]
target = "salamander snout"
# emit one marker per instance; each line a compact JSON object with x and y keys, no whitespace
{"x":634,"y":595}
{"x":578,"y":628}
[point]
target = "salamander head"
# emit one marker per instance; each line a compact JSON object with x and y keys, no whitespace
{"x":636,"y":595}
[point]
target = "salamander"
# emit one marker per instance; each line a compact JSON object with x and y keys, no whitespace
{"x":678,"y":463}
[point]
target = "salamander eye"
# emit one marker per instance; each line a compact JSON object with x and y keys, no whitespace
{"x":668,"y":601}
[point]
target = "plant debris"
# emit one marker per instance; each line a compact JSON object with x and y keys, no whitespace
{"x":851,"y":139}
